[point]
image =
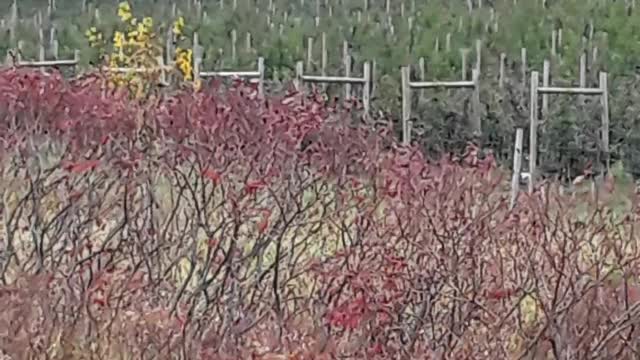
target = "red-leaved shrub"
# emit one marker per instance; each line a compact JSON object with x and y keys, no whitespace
{"x":220,"y":225}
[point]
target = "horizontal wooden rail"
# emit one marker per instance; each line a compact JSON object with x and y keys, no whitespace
{"x":47,"y":63}
{"x":138,"y":70}
{"x":42,"y":63}
{"x":569,"y":90}
{"x":245,"y":74}
{"x":347,"y":81}
{"x":440,"y":84}
{"x":332,"y":79}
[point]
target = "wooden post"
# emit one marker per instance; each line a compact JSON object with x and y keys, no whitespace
{"x":366,"y":89}
{"x":475,"y":103}
{"x":13,"y":22}
{"x":478,"y":54}
{"x":261,"y":77}
{"x":533,"y":134}
{"x":447,"y":43}
{"x":517,"y":168}
{"x":559,"y":40}
{"x":605,"y":116}
{"x":423,"y":74}
{"x":406,"y":105}
{"x":168,"y":56}
{"x":55,"y":49}
{"x":41,"y":48}
{"x":163,"y":73}
{"x":324,"y":59}
{"x":583,"y":75}
{"x":546,"y":69}
{"x":554,"y":46}
{"x":297,"y":83}
{"x":197,"y":58}
{"x":247,"y":42}
{"x":20,"y":49}
{"x":373,"y":77}
{"x":234,"y":43}
{"x":346,"y":58}
{"x":503,"y":60}
{"x":76,"y":58}
{"x":309,"y":52}
{"x":523,"y":67}
{"x":463,"y":55}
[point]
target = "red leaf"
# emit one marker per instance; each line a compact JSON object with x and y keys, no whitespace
{"x":264,"y":223}
{"x":81,"y":167}
{"x":99,"y":301}
{"x":500,"y":294}
{"x":253,"y":186}
{"x":211,"y":175}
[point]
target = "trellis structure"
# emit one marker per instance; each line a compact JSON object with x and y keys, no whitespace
{"x":364,"y":81}
{"x":251,"y":74}
{"x":408,"y":85}
{"x":536,"y":90}
{"x":17,"y":60}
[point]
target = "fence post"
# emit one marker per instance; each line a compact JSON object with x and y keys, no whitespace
{"x":477,"y":120}
{"x":533,"y":132}
{"x":423,"y":74}
{"x":583,"y":75}
{"x":309,"y":51}
{"x":478,"y":54}
{"x":517,"y":167}
{"x":297,"y":83}
{"x":546,"y":74}
{"x":366,"y":89}
{"x":41,"y":48}
{"x":20,"y":47}
{"x":197,"y":58}
{"x":346,"y":58}
{"x":234,"y":43}
{"x":13,"y":21}
{"x":503,"y":60}
{"x":261,"y":79}
{"x":463,"y":55}
{"x":605,"y":116}
{"x":163,"y":73}
{"x":406,"y":105}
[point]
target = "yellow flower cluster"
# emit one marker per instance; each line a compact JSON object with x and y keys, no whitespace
{"x":184,"y":59}
{"x":94,"y":37}
{"x":141,"y":32}
{"x":124,"y":12}
{"x":135,"y":46}
{"x":178,"y":27}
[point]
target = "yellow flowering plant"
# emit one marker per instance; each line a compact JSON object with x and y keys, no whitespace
{"x":183,"y":56}
{"x":135,"y":45}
